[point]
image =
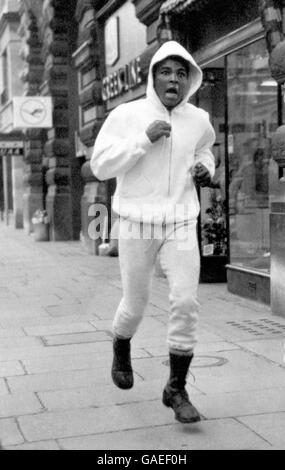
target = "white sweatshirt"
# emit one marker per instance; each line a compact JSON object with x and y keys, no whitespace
{"x":154,"y":183}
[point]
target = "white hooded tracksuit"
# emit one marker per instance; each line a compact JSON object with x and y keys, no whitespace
{"x":157,"y":200}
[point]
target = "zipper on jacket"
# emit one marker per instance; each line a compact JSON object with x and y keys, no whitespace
{"x":170,"y":157}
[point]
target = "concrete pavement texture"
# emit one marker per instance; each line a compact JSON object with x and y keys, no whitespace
{"x":56,"y":308}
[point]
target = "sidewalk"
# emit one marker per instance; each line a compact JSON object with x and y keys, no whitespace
{"x":56,"y":309}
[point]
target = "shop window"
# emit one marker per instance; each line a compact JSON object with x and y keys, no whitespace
{"x":213,"y":218}
{"x":87,"y":76}
{"x":252,"y":118}
{"x":242,"y":100}
{"x":89,"y":114}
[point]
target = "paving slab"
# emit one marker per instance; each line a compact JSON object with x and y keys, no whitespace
{"x":103,"y":309}
{"x":58,"y":329}
{"x":237,"y":371}
{"x":221,"y":434}
{"x":11,"y":333}
{"x":33,"y":292}
{"x":272,"y":349}
{"x":3,"y":388}
{"x":44,"y":445}
{"x":152,"y":367}
{"x":5,"y":293}
{"x":17,"y":310}
{"x":236,"y":404}
{"x":235,"y":331}
{"x":9,"y":433}
{"x":71,"y":423}
{"x":104,"y":395}
{"x":72,"y":309}
{"x":11,"y":368}
{"x":147,"y":342}
{"x":40,"y":301}
{"x":270,"y":426}
{"x":19,"y":342}
{"x":76,"y":338}
{"x":44,"y":320}
{"x":19,"y":405}
{"x":43,"y":351}
{"x":215,"y":346}
{"x":61,"y":380}
{"x":75,"y":361}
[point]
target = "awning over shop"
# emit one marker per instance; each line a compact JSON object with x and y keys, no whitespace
{"x":170,"y":8}
{"x":179,"y":6}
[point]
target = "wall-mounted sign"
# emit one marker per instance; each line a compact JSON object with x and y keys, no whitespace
{"x":11,"y":147}
{"x":121,"y":81}
{"x":32,"y":111}
{"x":112,"y":41}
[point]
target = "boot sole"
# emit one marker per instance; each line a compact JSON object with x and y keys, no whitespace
{"x":167,"y":403}
{"x":194,"y":420}
{"x":124,"y":386}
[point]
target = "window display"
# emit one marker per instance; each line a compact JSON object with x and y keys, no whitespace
{"x":252,"y":111}
{"x":242,"y":100}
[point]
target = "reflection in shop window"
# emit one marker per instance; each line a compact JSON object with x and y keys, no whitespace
{"x":252,"y":110}
{"x":214,"y":223}
{"x":214,"y":231}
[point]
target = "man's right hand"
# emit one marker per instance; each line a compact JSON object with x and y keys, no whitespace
{"x":158,"y":129}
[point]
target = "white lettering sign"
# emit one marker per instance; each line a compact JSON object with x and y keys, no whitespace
{"x":121,"y":81}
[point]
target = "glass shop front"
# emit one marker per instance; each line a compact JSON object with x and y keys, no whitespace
{"x":245,"y":107}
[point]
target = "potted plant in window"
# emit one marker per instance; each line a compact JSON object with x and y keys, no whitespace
{"x":214,"y":241}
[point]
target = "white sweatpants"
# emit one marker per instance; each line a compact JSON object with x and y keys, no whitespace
{"x":177,"y":246}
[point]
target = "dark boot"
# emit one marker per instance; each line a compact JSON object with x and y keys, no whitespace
{"x":175,"y":395}
{"x":122,"y":373}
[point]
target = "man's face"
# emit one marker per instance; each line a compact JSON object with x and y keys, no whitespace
{"x":171,"y":82}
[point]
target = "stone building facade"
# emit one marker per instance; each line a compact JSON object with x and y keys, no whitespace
{"x":11,"y":169}
{"x":91,"y":55}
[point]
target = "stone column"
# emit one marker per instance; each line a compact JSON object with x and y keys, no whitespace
{"x":32,"y":77}
{"x":56,"y":32}
{"x":88,"y":61}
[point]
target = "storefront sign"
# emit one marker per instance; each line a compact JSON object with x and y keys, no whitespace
{"x":11,"y":148}
{"x":122,"y":80}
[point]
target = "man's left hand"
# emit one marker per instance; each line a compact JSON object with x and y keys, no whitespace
{"x":202,"y":175}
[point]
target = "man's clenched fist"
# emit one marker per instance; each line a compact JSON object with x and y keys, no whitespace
{"x":201,"y":175}
{"x":158,"y":129}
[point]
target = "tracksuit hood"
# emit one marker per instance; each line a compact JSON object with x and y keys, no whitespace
{"x":173,"y":48}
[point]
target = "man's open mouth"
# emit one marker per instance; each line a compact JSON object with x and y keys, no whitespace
{"x":172,"y":91}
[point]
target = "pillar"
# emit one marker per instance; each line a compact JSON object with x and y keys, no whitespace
{"x":88,"y":61}
{"x":31,"y":76}
{"x":57,"y":30}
